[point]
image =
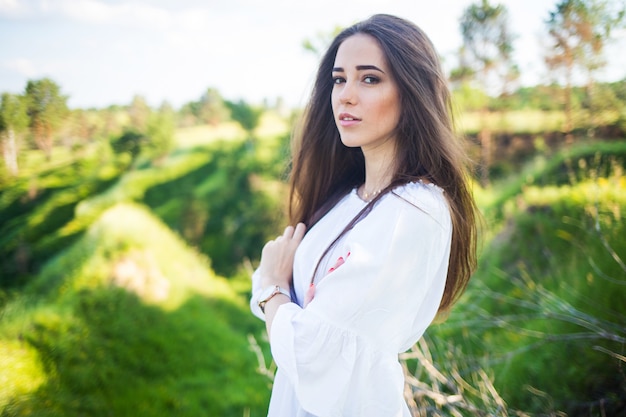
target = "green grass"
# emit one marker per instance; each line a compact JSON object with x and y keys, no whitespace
{"x":129,"y":321}
{"x":544,"y":314}
{"x":586,"y":161}
{"x":35,"y":212}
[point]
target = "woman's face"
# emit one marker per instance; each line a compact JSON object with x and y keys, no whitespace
{"x":365,"y":99}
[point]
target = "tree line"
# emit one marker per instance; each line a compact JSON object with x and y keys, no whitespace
{"x":578,"y":32}
{"x":41,"y":119}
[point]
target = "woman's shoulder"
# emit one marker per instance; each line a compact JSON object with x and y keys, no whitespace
{"x":420,"y":193}
{"x":421,"y":197}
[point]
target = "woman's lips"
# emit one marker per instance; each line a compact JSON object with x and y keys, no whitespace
{"x":346,"y":120}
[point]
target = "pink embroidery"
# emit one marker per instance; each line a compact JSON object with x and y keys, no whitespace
{"x":310,"y":293}
{"x":339,"y":262}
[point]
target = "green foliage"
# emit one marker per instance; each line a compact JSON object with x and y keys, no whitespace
{"x":545,"y":312}
{"x":139,"y":113}
{"x":46,"y":105}
{"x":245,"y":114}
{"x":160,"y":133}
{"x":210,"y":109}
{"x":13,"y":113}
{"x":541,"y":97}
{"x":47,"y":108}
{"x":468,"y":99}
{"x":130,"y":142}
{"x":151,"y":134}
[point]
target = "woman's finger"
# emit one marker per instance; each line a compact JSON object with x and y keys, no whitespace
{"x":288,"y":231}
{"x":298,"y":233}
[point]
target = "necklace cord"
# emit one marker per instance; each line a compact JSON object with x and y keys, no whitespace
{"x":359,"y":216}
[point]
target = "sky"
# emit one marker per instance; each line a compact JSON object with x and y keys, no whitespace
{"x":104,"y":52}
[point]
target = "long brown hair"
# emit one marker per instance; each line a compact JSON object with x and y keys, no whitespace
{"x":324,"y":170}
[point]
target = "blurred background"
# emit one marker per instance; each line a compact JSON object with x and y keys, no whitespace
{"x":145,"y":152}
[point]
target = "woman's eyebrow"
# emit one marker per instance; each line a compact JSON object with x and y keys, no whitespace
{"x":360,"y":68}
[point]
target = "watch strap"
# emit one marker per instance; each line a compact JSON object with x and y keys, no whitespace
{"x":275,"y":290}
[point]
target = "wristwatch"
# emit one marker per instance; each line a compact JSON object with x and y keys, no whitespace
{"x":268,"y":293}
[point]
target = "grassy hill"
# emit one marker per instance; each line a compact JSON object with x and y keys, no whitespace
{"x":129,"y":321}
{"x":108,"y":300}
{"x":544,"y":315}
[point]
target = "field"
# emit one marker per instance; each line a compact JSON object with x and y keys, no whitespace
{"x":124,"y":287}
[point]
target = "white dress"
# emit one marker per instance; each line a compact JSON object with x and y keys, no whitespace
{"x":339,"y":355}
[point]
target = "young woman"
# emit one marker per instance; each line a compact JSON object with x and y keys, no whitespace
{"x":385,"y":232}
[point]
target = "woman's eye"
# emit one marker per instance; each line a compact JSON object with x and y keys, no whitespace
{"x":338,"y":80}
{"x":370,"y":79}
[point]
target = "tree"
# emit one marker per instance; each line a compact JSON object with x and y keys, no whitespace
{"x":579,"y":30}
{"x":130,"y":143}
{"x":487,"y":48}
{"x":13,"y":122}
{"x":211,"y":108}
{"x":47,"y":109}
{"x":320,"y":42}
{"x":246,"y":115}
{"x":139,"y":113}
{"x":486,"y":56}
{"x":160,"y":131}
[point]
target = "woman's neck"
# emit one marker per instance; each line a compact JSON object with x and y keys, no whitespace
{"x":379,"y":169}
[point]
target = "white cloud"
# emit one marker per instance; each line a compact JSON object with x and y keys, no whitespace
{"x":193,"y":20}
{"x":144,"y":15}
{"x":22,"y":66}
{"x":91,"y":11}
{"x":12,"y":8}
{"x":131,"y":14}
{"x":8,"y":5}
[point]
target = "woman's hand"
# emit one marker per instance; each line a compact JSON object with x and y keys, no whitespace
{"x":276,"y":266}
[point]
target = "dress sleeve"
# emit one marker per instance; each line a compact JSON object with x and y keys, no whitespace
{"x":341,"y":349}
{"x":256,"y":291}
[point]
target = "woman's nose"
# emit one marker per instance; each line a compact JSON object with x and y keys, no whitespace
{"x":347,"y":94}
